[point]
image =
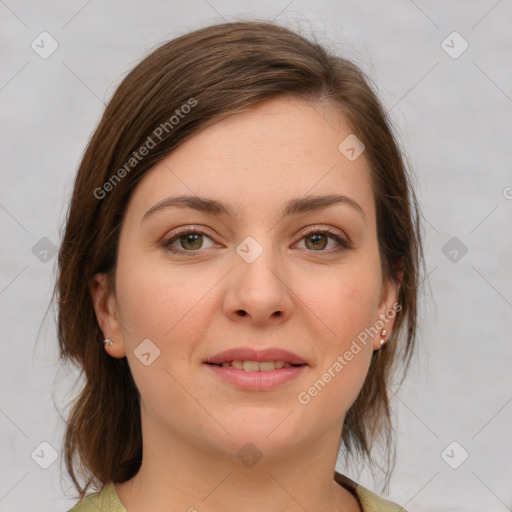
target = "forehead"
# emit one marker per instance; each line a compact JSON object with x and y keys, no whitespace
{"x":280,"y":149}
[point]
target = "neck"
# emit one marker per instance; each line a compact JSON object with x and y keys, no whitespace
{"x":194,"y":478}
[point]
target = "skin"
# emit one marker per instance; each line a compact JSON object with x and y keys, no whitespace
{"x":191,"y":307}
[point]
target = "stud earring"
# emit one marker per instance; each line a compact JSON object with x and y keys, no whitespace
{"x":383,"y":334}
{"x":109,"y":341}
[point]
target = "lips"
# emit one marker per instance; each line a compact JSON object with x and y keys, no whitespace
{"x":256,"y":370}
{"x":246,"y":355}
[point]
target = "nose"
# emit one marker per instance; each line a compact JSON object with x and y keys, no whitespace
{"x":258,"y":291}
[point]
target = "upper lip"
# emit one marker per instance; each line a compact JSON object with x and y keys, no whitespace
{"x":250,"y":354}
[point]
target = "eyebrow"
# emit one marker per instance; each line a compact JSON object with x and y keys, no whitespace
{"x":292,"y":207}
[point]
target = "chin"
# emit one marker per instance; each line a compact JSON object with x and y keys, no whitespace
{"x":269,"y":429}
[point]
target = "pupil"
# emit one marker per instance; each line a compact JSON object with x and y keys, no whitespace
{"x":192,"y":239}
{"x":317,"y":240}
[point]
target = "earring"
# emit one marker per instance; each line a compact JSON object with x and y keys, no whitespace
{"x":383,"y":334}
{"x":109,"y":341}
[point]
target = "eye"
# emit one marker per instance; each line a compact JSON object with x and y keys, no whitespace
{"x":316,"y":240}
{"x":190,"y":240}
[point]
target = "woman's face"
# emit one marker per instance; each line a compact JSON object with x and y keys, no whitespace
{"x":276,"y":270}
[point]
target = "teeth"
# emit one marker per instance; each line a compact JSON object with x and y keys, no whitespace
{"x":255,"y":366}
{"x":251,"y":366}
{"x":266,"y":366}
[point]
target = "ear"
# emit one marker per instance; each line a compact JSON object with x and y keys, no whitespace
{"x":105,"y":306}
{"x":388,"y":308}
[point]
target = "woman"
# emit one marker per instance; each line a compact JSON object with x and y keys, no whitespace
{"x":237,"y":279}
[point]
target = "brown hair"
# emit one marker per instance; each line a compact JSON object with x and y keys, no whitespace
{"x":221,"y":70}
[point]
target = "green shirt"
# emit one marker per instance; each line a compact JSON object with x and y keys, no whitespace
{"x":108,"y":501}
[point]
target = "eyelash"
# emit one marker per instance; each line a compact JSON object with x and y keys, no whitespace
{"x":344,"y":244}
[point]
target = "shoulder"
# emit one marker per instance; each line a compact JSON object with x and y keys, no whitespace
{"x":373,"y":503}
{"x":105,"y":500}
{"x":370,"y":502}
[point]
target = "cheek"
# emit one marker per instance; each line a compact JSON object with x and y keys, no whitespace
{"x":347,"y":305}
{"x":169,"y":307}
{"x":344,"y":302}
{"x":158,"y":301}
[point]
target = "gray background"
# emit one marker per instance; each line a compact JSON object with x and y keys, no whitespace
{"x":453,"y":118}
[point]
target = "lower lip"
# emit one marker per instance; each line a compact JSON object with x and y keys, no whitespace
{"x":257,"y":381}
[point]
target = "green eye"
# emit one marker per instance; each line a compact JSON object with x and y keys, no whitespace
{"x":191,"y":241}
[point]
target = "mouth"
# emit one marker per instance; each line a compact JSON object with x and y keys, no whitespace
{"x":246,"y":358}
{"x":253,"y":370}
{"x":256,"y":366}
